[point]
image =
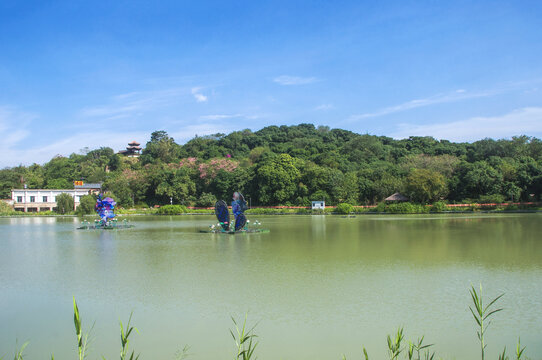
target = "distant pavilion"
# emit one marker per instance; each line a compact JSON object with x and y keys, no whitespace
{"x":132,"y":150}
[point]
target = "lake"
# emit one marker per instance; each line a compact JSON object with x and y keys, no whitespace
{"x":318,"y":286}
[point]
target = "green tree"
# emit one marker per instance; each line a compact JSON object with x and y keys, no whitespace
{"x":173,"y":183}
{"x":5,"y":208}
{"x":344,"y":208}
{"x":349,"y":188}
{"x":482,"y":179}
{"x":206,"y":200}
{"x":277,"y":180}
{"x":59,"y":184}
{"x":60,"y":173}
{"x":121,"y":192}
{"x":425,"y":186}
{"x":86,"y":205}
{"x":64,"y":203}
{"x":161,"y":148}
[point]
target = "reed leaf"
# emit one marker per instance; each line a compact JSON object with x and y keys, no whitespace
{"x":244,"y":340}
{"x":482,"y":313}
{"x":19,"y":353}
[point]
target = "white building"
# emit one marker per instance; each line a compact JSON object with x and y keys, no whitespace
{"x":318,"y":205}
{"x":35,"y":200}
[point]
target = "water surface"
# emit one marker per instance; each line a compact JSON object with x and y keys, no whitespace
{"x":319,"y":286}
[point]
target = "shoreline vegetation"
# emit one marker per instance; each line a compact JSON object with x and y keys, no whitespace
{"x":294,"y":165}
{"x":246,"y":340}
{"x":340,"y":209}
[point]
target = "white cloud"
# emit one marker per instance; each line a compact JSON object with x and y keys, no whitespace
{"x":65,"y":146}
{"x":324,"y":107}
{"x":294,"y":80}
{"x":134,"y":103}
{"x":525,"y":121}
{"x":231,"y":116}
{"x":220,"y":116}
{"x":454,"y":96}
{"x":189,"y":131}
{"x":198,"y":95}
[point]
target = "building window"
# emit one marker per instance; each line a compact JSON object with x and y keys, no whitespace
{"x":44,"y":199}
{"x":19,"y":199}
{"x":32,"y":199}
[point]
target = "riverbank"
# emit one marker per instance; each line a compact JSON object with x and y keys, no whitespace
{"x":402,"y":208}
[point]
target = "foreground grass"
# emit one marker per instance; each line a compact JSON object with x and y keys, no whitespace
{"x":246,"y":341}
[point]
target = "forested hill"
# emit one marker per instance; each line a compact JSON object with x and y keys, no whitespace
{"x":296,"y":164}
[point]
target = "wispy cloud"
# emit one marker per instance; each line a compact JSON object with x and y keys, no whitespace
{"x":134,"y":103}
{"x":450,"y":97}
{"x":189,"y":131}
{"x":19,"y":152}
{"x":198,"y":95}
{"x":524,"y":121}
{"x":454,"y":96}
{"x":324,"y":107}
{"x":13,"y":127}
{"x":230,"y":116}
{"x":220,"y":116}
{"x":294,"y":80}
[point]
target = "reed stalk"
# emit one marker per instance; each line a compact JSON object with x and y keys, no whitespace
{"x":481,"y":315}
{"x":124,"y":339}
{"x":19,"y":353}
{"x":244,"y":340}
{"x":83,"y":341}
{"x":394,"y":346}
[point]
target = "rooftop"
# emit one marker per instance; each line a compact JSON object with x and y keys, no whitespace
{"x":89,"y":186}
{"x":396,"y":197}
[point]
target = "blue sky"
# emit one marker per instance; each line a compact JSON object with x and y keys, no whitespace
{"x":77,"y":74}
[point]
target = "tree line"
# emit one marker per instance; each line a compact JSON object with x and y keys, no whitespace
{"x":292,"y":165}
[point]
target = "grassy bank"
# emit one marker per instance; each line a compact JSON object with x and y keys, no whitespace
{"x":341,"y":209}
{"x":246,"y":341}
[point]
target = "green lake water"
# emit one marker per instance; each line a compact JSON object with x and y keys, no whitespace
{"x":318,"y":286}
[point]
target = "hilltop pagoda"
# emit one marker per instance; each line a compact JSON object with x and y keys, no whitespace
{"x":132,"y":150}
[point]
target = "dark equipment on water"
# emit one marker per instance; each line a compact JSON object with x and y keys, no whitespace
{"x":222,"y":214}
{"x":240,"y":222}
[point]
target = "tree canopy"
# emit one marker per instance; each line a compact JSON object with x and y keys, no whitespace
{"x":296,"y":164}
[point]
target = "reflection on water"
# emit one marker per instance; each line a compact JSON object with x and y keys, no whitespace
{"x":320,"y":285}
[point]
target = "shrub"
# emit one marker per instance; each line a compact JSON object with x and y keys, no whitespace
{"x":172,"y":210}
{"x":206,"y":200}
{"x":493,"y":198}
{"x":361,"y":210}
{"x":86,"y":205}
{"x":406,"y":208}
{"x":64,"y":203}
{"x":439,"y":206}
{"x":344,"y":208}
{"x":6,"y":209}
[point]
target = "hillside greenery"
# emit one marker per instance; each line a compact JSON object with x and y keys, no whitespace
{"x":292,"y":165}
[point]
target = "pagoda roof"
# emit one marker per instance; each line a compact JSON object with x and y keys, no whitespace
{"x":134,"y":143}
{"x":396,"y":197}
